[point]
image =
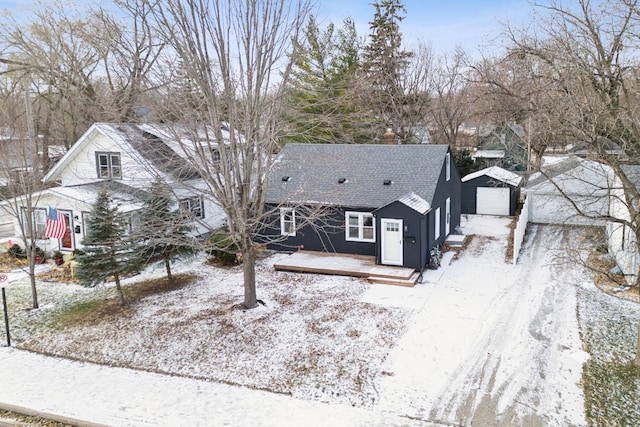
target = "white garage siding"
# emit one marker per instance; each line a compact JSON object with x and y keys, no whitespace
{"x":493,"y":200}
{"x":555,"y":209}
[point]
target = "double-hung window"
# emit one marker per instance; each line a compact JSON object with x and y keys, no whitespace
{"x":287,"y":221}
{"x":34,"y":226}
{"x":194,"y":206}
{"x":108,"y":165}
{"x":360,"y":227}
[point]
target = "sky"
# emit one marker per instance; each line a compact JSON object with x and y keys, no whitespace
{"x":443,"y":24}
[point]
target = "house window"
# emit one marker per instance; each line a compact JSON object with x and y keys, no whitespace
{"x":436,"y":231}
{"x":447,"y":166}
{"x":360,"y":227}
{"x":38,"y":219}
{"x":108,"y":165}
{"x":194,"y":206}
{"x":85,"y":222}
{"x":287,"y":222}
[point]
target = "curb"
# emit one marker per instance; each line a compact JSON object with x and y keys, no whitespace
{"x":21,"y":410}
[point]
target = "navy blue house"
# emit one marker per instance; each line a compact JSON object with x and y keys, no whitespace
{"x":395,"y":202}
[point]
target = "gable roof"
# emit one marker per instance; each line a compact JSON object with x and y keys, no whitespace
{"x":572,"y":174}
{"x":497,"y":173}
{"x":355,"y":175}
{"x":155,"y":144}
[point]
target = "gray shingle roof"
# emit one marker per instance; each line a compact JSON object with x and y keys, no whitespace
{"x":311,"y":173}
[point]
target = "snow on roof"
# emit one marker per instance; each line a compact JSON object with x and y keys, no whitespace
{"x":416,"y":203}
{"x":127,"y":198}
{"x":496,"y":173}
{"x":488,"y":154}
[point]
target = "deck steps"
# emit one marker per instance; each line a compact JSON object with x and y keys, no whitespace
{"x":455,"y":240}
{"x":409,"y":282}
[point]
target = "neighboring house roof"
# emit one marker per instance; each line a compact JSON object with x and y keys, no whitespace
{"x":573,"y":175}
{"x":488,"y":154}
{"x":125,"y":197}
{"x":155,"y":144}
{"x":355,"y":175}
{"x":497,"y":173}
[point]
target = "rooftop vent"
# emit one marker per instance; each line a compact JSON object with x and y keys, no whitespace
{"x":286,"y":178}
{"x":387,"y":182}
{"x":342,"y":180}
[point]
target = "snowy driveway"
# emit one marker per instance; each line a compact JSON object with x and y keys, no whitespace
{"x":489,"y":344}
{"x":493,"y":344}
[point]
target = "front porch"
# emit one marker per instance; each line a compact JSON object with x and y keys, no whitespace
{"x":348,"y":265}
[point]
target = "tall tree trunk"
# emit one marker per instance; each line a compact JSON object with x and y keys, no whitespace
{"x":31,"y":259}
{"x":119,"y":290}
{"x":249,"y":269}
{"x":167,"y":266}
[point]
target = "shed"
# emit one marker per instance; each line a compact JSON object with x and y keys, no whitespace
{"x":491,"y":191}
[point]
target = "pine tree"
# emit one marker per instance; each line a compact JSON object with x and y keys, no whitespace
{"x":163,"y":232}
{"x":107,"y":252}
{"x":384,"y":63}
{"x":322,"y":104}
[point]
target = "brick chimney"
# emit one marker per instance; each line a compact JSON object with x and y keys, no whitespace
{"x":389,"y":137}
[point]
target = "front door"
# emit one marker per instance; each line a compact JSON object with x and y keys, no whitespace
{"x":66,"y":242}
{"x":391,"y":241}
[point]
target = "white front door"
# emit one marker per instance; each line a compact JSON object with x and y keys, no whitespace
{"x":391,"y":241}
{"x":447,"y":213}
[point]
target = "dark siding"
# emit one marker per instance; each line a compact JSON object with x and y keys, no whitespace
{"x":415,"y":234}
{"x":452,"y":189}
{"x":469,"y":193}
{"x":329,"y":237}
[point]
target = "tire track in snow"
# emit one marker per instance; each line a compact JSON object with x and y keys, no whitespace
{"x":509,"y":376}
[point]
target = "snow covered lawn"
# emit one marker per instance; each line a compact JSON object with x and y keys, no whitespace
{"x":479,"y":342}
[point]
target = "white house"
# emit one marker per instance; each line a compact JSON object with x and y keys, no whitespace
{"x":126,"y":158}
{"x":571,"y":190}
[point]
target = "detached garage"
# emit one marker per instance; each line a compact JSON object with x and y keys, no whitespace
{"x":491,"y":191}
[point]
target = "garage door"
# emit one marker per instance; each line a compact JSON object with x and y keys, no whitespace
{"x":492,"y":200}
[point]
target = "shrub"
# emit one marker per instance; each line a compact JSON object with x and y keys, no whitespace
{"x":16,"y":252}
{"x":221,"y":246}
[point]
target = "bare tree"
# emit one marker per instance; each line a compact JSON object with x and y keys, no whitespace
{"x":451,"y":97}
{"x":239,"y":56}
{"x":20,"y":174}
{"x":588,"y":54}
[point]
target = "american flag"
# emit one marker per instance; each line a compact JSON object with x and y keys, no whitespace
{"x":56,"y":224}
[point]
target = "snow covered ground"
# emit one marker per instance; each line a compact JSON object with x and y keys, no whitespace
{"x":479,"y":342}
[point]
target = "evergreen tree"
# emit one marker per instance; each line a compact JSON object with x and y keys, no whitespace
{"x":323,"y":107}
{"x":163,"y":232}
{"x":384,"y":64}
{"x":107,"y":251}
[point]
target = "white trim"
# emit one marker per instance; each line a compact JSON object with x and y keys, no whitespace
{"x":284,"y":230}
{"x":448,"y":166}
{"x":397,"y":244}
{"x":436,"y":227}
{"x":447,"y":216}
{"x":361,"y":227}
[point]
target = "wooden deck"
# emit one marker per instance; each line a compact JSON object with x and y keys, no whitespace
{"x":347,"y":265}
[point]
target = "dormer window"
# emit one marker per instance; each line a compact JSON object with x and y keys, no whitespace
{"x":108,"y":165}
